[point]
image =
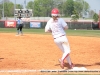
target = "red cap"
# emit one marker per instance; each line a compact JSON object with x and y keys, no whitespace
{"x":55,"y":12}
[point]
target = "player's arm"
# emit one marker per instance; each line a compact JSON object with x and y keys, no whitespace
{"x":47,"y":28}
{"x":66,"y":27}
{"x":64,"y":24}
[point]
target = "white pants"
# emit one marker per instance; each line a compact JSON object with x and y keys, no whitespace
{"x":63,"y":44}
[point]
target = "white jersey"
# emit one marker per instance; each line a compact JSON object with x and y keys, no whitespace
{"x":19,"y":21}
{"x":57,"y":27}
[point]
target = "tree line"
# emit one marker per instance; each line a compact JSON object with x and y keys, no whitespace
{"x":42,"y":8}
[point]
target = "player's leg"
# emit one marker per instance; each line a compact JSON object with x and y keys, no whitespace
{"x":59,"y":44}
{"x":66,"y":54}
{"x":21,"y":30}
{"x":63,"y":44}
{"x":18,"y":30}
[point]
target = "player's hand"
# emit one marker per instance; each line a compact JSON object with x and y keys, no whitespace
{"x":50,"y":30}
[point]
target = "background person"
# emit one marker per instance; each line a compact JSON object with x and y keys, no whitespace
{"x":19,"y":26}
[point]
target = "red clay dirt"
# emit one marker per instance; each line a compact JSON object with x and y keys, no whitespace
{"x":37,"y":51}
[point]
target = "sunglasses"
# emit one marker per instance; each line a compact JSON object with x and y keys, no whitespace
{"x":54,"y":16}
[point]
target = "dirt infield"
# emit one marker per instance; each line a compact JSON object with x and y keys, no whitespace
{"x":36,"y":51}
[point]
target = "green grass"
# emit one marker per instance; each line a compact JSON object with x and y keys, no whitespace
{"x":88,"y":33}
{"x":13,"y":30}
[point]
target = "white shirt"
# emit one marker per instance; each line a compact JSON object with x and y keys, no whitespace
{"x":19,"y":21}
{"x":57,"y":27}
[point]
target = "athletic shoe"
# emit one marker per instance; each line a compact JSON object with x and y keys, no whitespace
{"x":61,"y":63}
{"x":71,"y":66}
{"x":21,"y":34}
{"x":17,"y":34}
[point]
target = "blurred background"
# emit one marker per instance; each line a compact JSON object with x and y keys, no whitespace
{"x":42,"y":8}
{"x":79,"y":14}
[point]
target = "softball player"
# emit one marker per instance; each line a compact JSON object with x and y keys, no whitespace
{"x":57,"y":27}
{"x":19,"y":26}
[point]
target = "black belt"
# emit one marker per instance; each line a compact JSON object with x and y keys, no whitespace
{"x":59,"y":36}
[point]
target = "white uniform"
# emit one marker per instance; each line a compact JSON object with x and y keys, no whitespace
{"x":57,"y":28}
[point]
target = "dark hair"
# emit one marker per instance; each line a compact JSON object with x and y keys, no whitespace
{"x":19,"y":17}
